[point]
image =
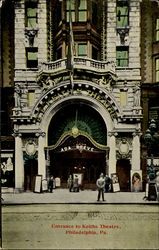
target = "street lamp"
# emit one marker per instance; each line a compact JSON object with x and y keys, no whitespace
{"x":151,"y":140}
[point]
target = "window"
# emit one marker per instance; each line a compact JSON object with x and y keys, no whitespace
{"x":57,"y":14}
{"x":58,"y":53}
{"x":123,"y":97}
{"x":122,"y":56}
{"x":82,"y":49}
{"x":78,"y":11}
{"x":94,"y":13}
{"x":82,"y":11}
{"x":31,"y":15}
{"x":32,"y":57}
{"x":31,"y":98}
{"x":157,"y":29}
{"x":122,"y":13}
{"x":157,"y":70}
{"x":94,"y":53}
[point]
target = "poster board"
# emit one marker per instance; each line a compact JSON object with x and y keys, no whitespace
{"x":80,"y":178}
{"x":38,"y":184}
{"x":136,"y":180}
{"x":44,"y":185}
{"x":115,"y":182}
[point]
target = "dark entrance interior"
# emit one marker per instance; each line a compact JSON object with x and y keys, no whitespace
{"x":30,"y":172}
{"x":77,"y":153}
{"x":87,"y":163}
{"x":123,"y":170}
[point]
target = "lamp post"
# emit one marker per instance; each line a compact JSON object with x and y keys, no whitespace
{"x":151,"y":141}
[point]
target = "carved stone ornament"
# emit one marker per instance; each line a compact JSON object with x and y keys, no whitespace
{"x":123,"y":32}
{"x":124,"y":147}
{"x":30,"y":35}
{"x":30,"y":147}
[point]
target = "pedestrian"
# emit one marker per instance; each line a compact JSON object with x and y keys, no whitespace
{"x":75,"y":184}
{"x":70,"y":183}
{"x":100,"y":184}
{"x":107,"y":183}
{"x":50,"y":184}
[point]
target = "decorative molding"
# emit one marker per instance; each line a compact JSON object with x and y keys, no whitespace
{"x":124,"y":147}
{"x":16,"y":133}
{"x":87,"y":90}
{"x":123,"y":32}
{"x":30,"y":147}
{"x":137,"y":133}
{"x":75,"y":133}
{"x":30,"y":34}
{"x":38,"y":134}
{"x":112,"y":134}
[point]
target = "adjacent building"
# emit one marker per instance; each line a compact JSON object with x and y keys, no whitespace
{"x":77,"y":84}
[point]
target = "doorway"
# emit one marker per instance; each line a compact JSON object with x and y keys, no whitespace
{"x":89,"y":164}
{"x":123,"y":171}
{"x":30,"y":172}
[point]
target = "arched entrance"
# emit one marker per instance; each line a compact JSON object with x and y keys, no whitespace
{"x":77,"y":139}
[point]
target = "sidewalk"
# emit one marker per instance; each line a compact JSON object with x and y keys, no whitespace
{"x":63,"y":196}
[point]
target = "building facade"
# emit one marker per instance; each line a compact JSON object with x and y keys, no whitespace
{"x":150,"y":84}
{"x":89,"y":121}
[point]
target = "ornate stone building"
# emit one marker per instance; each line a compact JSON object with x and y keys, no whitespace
{"x":150,"y":82}
{"x":87,"y":123}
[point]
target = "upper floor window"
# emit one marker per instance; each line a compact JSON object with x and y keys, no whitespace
{"x":31,"y":15}
{"x":95,"y":53}
{"x":78,"y":10}
{"x":94,"y":13}
{"x":57,"y":15}
{"x":123,"y":97}
{"x":122,"y":13}
{"x":82,"y":49}
{"x":32,"y":57}
{"x":157,"y":29}
{"x":122,"y":56}
{"x":31,"y":97}
{"x":157,"y":70}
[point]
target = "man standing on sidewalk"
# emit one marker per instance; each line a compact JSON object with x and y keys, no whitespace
{"x":100,"y":184}
{"x":50,"y":184}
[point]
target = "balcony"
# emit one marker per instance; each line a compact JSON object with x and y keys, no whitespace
{"x":80,"y":63}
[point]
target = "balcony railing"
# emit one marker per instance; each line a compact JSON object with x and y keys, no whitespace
{"x":79,"y":63}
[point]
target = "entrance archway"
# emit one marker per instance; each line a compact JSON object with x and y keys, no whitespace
{"x":77,"y":143}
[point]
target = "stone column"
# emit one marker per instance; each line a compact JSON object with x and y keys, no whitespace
{"x":41,"y":156}
{"x":19,"y":163}
{"x":112,"y":153}
{"x":136,"y":151}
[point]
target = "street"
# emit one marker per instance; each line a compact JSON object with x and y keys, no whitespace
{"x":80,"y":226}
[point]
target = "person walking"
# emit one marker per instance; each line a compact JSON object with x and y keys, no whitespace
{"x":50,"y":184}
{"x":75,"y":184}
{"x":107,"y":183}
{"x":70,"y":183}
{"x":100,"y":184}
